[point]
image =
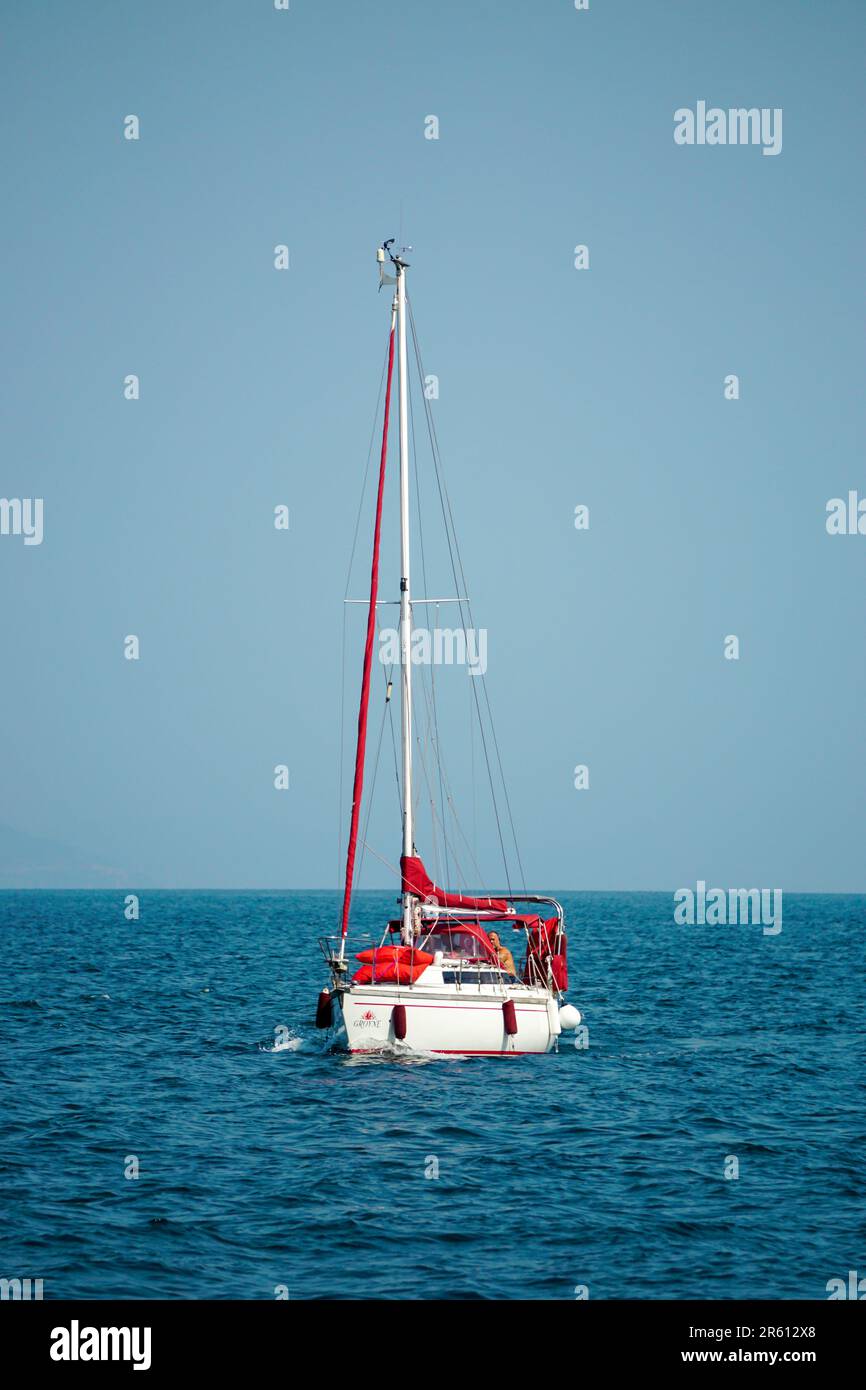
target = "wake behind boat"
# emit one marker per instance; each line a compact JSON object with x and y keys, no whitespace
{"x":442,"y":978}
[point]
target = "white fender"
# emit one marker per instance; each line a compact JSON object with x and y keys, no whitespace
{"x":554,"y":1018}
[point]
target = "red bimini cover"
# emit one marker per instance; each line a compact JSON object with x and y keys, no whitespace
{"x":416,"y":880}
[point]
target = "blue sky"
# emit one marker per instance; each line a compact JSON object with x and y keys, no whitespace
{"x":557,"y":387}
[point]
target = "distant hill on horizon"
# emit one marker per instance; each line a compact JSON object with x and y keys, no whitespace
{"x":31,"y":861}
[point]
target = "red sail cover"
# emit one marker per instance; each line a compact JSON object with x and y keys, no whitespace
{"x":358,"y":786}
{"x":416,"y":880}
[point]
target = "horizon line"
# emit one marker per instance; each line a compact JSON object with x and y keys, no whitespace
{"x":204,"y":888}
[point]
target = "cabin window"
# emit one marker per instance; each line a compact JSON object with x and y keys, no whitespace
{"x":477,"y":977}
{"x":457,"y":943}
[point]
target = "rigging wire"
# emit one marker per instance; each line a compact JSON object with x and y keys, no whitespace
{"x":390,"y":704}
{"x":432,"y":722}
{"x":382,"y":860}
{"x":372,"y":791}
{"x":463,"y":879}
{"x":416,"y":786}
{"x":435,"y":721}
{"x":453,"y":548}
{"x":343,"y":644}
{"x":479,"y":881}
{"x":472,"y":777}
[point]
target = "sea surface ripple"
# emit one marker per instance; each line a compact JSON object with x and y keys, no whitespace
{"x":183,"y":1043}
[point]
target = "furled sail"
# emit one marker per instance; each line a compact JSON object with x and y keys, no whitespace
{"x":360,"y":750}
{"x":416,"y":880}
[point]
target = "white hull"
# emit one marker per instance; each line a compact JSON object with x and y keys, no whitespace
{"x":465,"y":1021}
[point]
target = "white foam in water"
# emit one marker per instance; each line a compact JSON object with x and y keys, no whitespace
{"x":399,"y":1052}
{"x":290,"y":1044}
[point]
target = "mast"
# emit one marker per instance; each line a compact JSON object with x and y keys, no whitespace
{"x":408,"y":848}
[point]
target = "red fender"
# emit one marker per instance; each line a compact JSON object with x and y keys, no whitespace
{"x":324,"y":1010}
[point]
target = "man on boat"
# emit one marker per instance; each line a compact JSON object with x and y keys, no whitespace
{"x":503,"y":955}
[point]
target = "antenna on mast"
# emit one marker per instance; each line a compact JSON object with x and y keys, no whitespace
{"x":384,"y":252}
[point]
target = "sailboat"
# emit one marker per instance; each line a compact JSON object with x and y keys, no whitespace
{"x":440,"y":980}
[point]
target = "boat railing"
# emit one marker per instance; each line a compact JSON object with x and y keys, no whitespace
{"x":331,"y":949}
{"x":533,"y":898}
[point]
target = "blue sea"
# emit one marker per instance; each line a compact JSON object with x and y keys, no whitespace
{"x":181,"y":1047}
